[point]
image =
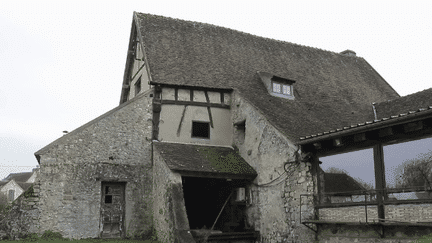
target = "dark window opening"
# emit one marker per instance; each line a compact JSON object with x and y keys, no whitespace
{"x":108,"y":199}
{"x":201,"y":129}
{"x":138,"y":86}
{"x":240,"y":132}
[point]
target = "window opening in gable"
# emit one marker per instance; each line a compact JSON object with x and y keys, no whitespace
{"x":138,"y":86}
{"x":11,"y":195}
{"x":200,"y":129}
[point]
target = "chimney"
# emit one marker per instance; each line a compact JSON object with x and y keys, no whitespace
{"x":348,"y":53}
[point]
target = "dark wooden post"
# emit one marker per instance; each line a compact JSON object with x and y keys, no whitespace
{"x":379,"y":178}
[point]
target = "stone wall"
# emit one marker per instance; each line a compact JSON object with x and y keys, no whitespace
{"x":404,"y":213}
{"x":170,"y":218}
{"x":349,"y":214}
{"x":22,"y":219}
{"x":275,"y":209}
{"x":115,"y":147}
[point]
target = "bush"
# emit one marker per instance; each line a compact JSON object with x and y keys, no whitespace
{"x":31,"y":237}
{"x":50,"y":235}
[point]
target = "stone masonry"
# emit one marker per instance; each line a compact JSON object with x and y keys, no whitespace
{"x":116,"y":147}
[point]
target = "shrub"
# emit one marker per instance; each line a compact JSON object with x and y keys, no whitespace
{"x":50,"y":235}
{"x":31,"y":237}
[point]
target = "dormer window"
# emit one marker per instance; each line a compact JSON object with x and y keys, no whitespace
{"x":278,"y":86}
{"x":284,"y":89}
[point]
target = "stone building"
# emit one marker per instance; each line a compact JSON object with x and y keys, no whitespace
{"x":218,"y":136}
{"x":16,"y":183}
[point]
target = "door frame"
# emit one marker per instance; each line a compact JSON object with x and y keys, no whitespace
{"x":123,"y":214}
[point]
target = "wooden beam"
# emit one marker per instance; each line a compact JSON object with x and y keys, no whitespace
{"x":181,"y":121}
{"x":385,"y":132}
{"x":379,"y":177}
{"x":360,"y":137}
{"x":193,"y":103}
{"x":413,"y":126}
{"x":208,"y":109}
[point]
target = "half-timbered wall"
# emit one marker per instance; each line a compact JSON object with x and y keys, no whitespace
{"x":181,"y":107}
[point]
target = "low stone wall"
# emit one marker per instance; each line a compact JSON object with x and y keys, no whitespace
{"x":404,"y":212}
{"x":409,"y":212}
{"x":349,"y":214}
{"x":23,"y":217}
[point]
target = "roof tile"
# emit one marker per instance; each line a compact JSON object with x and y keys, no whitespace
{"x":204,"y":159}
{"x":328,"y":84}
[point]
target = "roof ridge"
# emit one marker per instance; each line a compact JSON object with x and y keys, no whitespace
{"x":242,"y":32}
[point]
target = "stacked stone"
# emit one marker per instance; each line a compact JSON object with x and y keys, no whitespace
{"x":24,"y":214}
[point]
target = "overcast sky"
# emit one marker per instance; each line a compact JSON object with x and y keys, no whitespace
{"x":62,"y":63}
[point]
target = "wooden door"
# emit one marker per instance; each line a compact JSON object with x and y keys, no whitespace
{"x":112,"y":210}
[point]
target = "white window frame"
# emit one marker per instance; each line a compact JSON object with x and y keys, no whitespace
{"x":280,"y":88}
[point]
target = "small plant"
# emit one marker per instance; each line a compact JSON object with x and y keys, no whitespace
{"x":50,"y":235}
{"x":31,"y":237}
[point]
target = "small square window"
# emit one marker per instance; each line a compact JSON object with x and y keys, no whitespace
{"x":200,"y":129}
{"x":286,"y":90}
{"x":108,"y":199}
{"x":276,"y":88}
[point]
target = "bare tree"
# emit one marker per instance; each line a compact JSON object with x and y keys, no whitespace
{"x":416,"y":172}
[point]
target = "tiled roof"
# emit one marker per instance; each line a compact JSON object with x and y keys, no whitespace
{"x":412,"y":102}
{"x":340,"y":182}
{"x":331,"y":89}
{"x":22,"y":177}
{"x":204,"y":159}
{"x":406,"y":106}
{"x":24,"y":185}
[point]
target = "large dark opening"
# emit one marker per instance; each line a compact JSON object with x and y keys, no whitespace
{"x":204,"y":199}
{"x":200,"y":129}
